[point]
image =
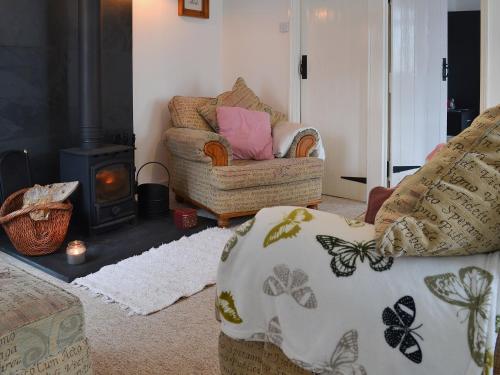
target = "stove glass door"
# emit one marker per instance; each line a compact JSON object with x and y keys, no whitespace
{"x":112,"y":183}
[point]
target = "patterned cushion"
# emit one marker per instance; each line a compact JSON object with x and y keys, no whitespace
{"x":241,"y":96}
{"x":451,"y":205}
{"x":184,"y":114}
{"x":41,"y":327}
{"x":252,"y":173}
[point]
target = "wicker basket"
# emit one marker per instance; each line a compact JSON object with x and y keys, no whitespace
{"x":31,"y":237}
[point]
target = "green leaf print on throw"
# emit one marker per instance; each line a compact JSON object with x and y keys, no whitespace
{"x":471,"y":292}
{"x":497,"y":324}
{"x":292,"y":283}
{"x":230,"y":244}
{"x":227,"y":308}
{"x":289,"y":227}
{"x":244,"y":228}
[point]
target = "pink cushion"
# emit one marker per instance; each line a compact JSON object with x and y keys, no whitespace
{"x":378,"y":195}
{"x":248,"y":132}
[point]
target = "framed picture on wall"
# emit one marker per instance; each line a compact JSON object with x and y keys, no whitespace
{"x":194,"y":8}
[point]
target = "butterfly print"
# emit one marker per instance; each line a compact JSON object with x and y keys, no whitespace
{"x":345,"y":356}
{"x":400,"y":332}
{"x":227,"y":308}
{"x":343,"y":360}
{"x":292,"y":283}
{"x":489,"y":362}
{"x":289,"y":227}
{"x":273,"y":333}
{"x":345,"y":255}
{"x":244,"y":228}
{"x":354,"y":223}
{"x":230,"y":244}
{"x":471,"y":292}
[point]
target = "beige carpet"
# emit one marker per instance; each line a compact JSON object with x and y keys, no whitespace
{"x":180,"y":340}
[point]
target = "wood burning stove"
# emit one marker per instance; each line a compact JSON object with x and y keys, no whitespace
{"x":105,"y":197}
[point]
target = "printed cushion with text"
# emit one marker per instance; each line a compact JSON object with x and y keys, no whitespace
{"x":450,"y":206}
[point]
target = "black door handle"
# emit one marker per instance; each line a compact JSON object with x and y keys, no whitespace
{"x":303,"y":67}
{"x":445,"y":69}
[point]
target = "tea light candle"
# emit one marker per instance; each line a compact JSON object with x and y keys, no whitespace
{"x":75,"y":252}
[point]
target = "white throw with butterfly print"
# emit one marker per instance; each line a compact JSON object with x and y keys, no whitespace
{"x":311,"y":283}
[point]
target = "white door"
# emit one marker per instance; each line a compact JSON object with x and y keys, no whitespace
{"x":418,"y":90}
{"x":334,"y":96}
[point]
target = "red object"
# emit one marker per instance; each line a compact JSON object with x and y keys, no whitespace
{"x":185,"y":218}
{"x":378,"y":195}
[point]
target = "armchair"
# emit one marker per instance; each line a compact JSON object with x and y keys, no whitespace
{"x":205,"y":174}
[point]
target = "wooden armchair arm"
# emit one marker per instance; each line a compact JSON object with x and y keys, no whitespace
{"x":305,"y":146}
{"x":199,"y":145}
{"x":218,"y":153}
{"x":304,"y":143}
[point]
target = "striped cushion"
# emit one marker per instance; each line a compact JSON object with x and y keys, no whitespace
{"x":184,"y":114}
{"x":241,"y":96}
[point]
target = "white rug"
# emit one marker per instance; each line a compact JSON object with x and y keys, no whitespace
{"x":157,"y":278}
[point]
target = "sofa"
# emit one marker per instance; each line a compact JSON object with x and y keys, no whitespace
{"x":205,"y":174}
{"x":302,"y":292}
{"x":41,"y":327}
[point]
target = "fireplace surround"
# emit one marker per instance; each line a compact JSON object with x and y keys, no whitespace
{"x":106,"y":194}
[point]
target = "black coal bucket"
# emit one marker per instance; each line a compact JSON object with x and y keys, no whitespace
{"x":153,"y":199}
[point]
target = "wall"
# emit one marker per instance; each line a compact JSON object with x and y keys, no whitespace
{"x":491,"y":54}
{"x":254,"y":48}
{"x":39,"y":77}
{"x":172,"y":56}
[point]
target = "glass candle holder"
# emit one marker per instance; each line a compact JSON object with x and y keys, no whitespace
{"x":75,"y":252}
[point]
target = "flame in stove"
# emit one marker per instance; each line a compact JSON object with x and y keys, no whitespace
{"x":106,"y":177}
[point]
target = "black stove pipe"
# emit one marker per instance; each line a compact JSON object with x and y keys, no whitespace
{"x":90,"y":73}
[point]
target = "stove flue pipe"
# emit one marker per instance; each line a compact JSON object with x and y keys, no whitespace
{"x":90,"y":72}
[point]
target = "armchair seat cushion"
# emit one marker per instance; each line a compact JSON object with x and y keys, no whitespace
{"x":251,"y":173}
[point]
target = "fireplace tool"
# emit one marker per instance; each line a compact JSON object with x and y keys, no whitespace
{"x":153,"y":199}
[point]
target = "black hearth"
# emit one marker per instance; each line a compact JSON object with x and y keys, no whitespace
{"x":105,"y":197}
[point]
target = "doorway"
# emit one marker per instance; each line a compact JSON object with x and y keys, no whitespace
{"x":464,"y":60}
{"x":434,"y":75}
{"x":379,"y":127}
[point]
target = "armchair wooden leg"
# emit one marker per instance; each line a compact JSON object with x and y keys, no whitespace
{"x":223,"y":221}
{"x":179,"y":199}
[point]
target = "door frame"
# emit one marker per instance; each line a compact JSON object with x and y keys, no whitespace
{"x":378,"y":81}
{"x":378,"y":85}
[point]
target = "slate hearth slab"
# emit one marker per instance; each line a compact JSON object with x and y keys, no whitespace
{"x":108,"y":248}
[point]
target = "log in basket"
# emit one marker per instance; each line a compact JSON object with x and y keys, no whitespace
{"x":31,"y":237}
